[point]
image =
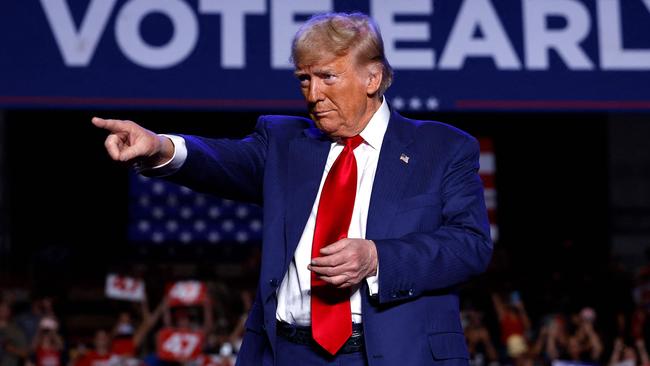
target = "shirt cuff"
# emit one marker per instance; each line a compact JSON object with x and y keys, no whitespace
{"x":172,"y":165}
{"x":373,"y":283}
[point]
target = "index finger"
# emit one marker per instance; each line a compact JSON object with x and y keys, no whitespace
{"x":112,"y":125}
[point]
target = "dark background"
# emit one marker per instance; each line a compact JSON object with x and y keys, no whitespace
{"x":573,"y":210}
{"x":68,"y":200}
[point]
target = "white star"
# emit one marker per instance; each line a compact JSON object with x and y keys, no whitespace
{"x":214,"y":212}
{"x":214,"y":237}
{"x":415,"y":103}
{"x":186,"y":237}
{"x":158,"y":237}
{"x":242,"y":212}
{"x":186,"y":212}
{"x":228,"y":225}
{"x":171,"y":226}
{"x":158,"y":188}
{"x":398,"y":102}
{"x":432,"y":103}
{"x":256,"y":225}
{"x":199,"y":225}
{"x":143,"y":225}
{"x":241,"y":237}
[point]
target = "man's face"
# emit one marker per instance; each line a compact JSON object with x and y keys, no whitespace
{"x":337,"y":94}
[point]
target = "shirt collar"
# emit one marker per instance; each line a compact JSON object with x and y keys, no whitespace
{"x":374,"y":132}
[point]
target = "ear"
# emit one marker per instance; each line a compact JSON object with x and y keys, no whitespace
{"x":375,"y":75}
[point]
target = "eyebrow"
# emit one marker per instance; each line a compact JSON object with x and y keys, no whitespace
{"x":321,"y":71}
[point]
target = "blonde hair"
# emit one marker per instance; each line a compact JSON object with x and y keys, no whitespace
{"x":336,"y":34}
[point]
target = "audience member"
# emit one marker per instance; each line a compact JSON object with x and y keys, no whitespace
{"x":479,"y":343}
{"x":14,"y":349}
{"x":47,"y":344}
{"x":514,"y":325}
{"x":99,"y":355}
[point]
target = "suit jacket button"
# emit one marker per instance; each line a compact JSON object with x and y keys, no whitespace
{"x":274,"y":282}
{"x":393,"y":294}
{"x":411,"y":292}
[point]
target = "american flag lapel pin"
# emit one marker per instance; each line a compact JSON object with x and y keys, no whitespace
{"x":404,"y":158}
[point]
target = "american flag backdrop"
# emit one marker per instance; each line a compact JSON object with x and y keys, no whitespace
{"x":165,"y":213}
{"x":487,"y":173}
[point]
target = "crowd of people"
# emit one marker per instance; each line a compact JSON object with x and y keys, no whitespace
{"x":559,"y":339}
{"x":573,"y":334}
{"x":500,"y":330}
{"x":206,"y":334}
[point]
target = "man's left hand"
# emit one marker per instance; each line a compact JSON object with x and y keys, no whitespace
{"x":346,"y":262}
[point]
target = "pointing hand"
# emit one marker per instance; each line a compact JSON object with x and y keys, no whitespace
{"x":130,"y":142}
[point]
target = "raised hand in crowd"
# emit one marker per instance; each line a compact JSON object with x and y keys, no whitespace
{"x":586,"y":335}
{"x":128,"y":337}
{"x":478,"y":338}
{"x":622,"y":354}
{"x":514,"y":325}
{"x":47,"y":344}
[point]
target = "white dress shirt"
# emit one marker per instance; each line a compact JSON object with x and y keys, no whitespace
{"x":294,"y":299}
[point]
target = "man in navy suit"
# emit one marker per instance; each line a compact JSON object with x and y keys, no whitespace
{"x":418,"y":225}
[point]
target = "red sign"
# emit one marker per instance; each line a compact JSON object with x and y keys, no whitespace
{"x":179,"y":345}
{"x":187,"y":293}
{"x":124,"y":288}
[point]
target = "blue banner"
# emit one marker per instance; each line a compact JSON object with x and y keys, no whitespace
{"x":225,"y":54}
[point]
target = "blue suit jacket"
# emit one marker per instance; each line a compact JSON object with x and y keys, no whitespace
{"x":427,"y":218}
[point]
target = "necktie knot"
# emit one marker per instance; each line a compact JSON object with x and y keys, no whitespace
{"x":352,"y":142}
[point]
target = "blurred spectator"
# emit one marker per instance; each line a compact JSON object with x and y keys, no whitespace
{"x":626,"y":355}
{"x":182,"y":319}
{"x":479,"y":342}
{"x":126,"y":336}
{"x":99,"y":355}
{"x":642,"y":282}
{"x":514,"y":325}
{"x":14,"y":348}
{"x":30,"y":320}
{"x":47,"y":344}
{"x":123,"y":336}
{"x":583,"y":346}
{"x":187,"y":317}
{"x":237,"y":333}
{"x":553,"y":338}
{"x":639,"y":324}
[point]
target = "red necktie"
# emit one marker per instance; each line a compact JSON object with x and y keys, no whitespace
{"x":331,"y":317}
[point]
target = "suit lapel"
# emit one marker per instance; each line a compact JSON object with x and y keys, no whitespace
{"x":391,"y":176}
{"x":306,"y":162}
{"x":307,"y":158}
